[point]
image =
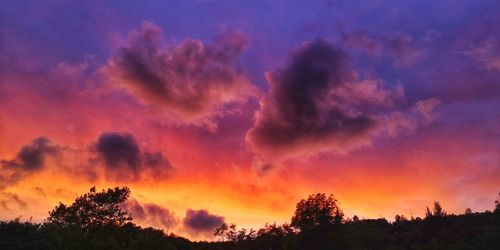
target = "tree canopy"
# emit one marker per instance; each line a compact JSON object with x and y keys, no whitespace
{"x":93,"y":209}
{"x":317,"y":210}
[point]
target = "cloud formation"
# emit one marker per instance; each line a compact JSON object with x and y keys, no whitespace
{"x":190,"y":80}
{"x":119,"y":149}
{"x":317,"y":103}
{"x":10,"y":200}
{"x":401,"y":48}
{"x":123,"y":159}
{"x":29,"y":159}
{"x":115,"y":155}
{"x":201,"y":221}
{"x":32,"y":156}
{"x":488,"y":55}
{"x":151,"y":214}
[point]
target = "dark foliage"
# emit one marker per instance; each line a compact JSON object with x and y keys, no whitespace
{"x":317,"y":210}
{"x":93,"y":210}
{"x":497,"y":204}
{"x":106,"y":226}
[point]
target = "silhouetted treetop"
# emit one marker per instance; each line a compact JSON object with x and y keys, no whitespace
{"x":497,"y":204}
{"x":400,"y":218}
{"x":93,"y":209}
{"x":468,"y":211}
{"x":438,"y":211}
{"x":317,"y":210}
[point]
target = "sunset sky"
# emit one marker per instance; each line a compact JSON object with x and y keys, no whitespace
{"x":232,"y":111}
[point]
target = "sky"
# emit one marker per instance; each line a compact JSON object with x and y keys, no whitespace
{"x":216,"y":111}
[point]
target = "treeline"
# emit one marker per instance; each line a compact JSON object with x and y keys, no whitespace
{"x":96,"y":220}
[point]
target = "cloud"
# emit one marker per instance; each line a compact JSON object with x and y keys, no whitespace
{"x":151,"y":214}
{"x":317,"y":103}
{"x":155,"y":159}
{"x":488,"y":55}
{"x":32,"y":156}
{"x":362,"y":40}
{"x":201,"y":221}
{"x":114,"y":154}
{"x":401,"y":48}
{"x":7,"y":200}
{"x":191,"y":81}
{"x":119,"y":149}
{"x":29,"y":159}
{"x":397,"y":122}
{"x":39,"y":191}
{"x":123,"y":159}
{"x":426,"y":108}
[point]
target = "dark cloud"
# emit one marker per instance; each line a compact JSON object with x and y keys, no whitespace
{"x":298,"y":109}
{"x":190,"y":80}
{"x":155,"y":159}
{"x":201,"y":221}
{"x":317,"y":103}
{"x":123,"y":159}
{"x":151,"y":214}
{"x":32,"y":156}
{"x":119,"y":149}
{"x":115,"y":154}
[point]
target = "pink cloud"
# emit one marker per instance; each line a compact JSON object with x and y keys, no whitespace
{"x":190,"y":81}
{"x":317,"y":103}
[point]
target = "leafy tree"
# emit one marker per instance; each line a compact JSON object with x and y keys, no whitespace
{"x":317,"y":210}
{"x":93,"y":209}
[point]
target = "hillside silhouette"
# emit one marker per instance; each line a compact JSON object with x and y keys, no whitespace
{"x":97,"y":220}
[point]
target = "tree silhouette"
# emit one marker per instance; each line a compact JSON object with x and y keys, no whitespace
{"x":437,"y":211}
{"x":400,"y":218}
{"x":355,"y":218}
{"x":468,"y":211}
{"x":93,"y":209}
{"x":317,"y":210}
{"x":227,"y":232}
{"x":497,"y":205}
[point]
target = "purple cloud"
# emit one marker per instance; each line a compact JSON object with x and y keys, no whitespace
{"x":30,"y":158}
{"x":123,"y":159}
{"x":317,"y":103}
{"x":151,"y":214}
{"x":201,"y":221}
{"x":190,"y":80}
